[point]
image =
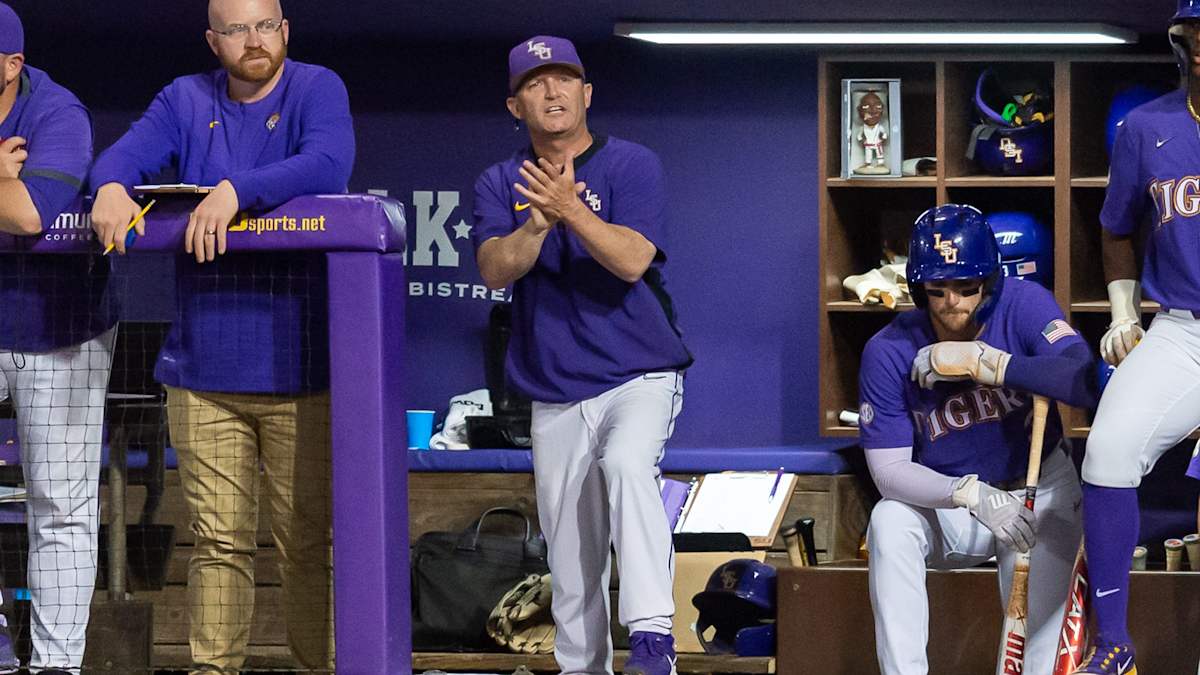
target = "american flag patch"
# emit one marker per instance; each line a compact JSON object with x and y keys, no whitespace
{"x":1057,"y":330}
{"x":1028,"y":267}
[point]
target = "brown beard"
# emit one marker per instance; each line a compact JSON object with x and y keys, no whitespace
{"x":257,"y":74}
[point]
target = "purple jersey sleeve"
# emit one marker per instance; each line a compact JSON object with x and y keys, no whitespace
{"x":1124,"y":201}
{"x":325,"y":157}
{"x":1050,"y":357}
{"x":150,"y":146}
{"x":493,"y":215}
{"x":883,"y":419}
{"x":58,"y":161}
{"x":1193,"y":469}
{"x":639,"y":197}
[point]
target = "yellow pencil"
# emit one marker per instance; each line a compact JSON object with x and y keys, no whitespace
{"x":137,"y":219}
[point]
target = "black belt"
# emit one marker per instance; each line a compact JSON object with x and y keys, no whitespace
{"x":1008,"y":485}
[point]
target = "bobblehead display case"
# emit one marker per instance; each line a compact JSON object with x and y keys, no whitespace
{"x":871,"y":143}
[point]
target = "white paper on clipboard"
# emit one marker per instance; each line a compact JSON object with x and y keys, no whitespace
{"x":739,"y":501}
{"x":174,"y":189}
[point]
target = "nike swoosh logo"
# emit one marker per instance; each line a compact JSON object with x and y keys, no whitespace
{"x":1101,"y":594}
{"x":1161,"y":142}
{"x":1124,"y":666}
{"x":518,"y":206}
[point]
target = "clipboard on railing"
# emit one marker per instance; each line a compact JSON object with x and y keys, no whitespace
{"x":751,"y":502}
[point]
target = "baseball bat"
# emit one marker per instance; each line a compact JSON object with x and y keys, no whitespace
{"x":1192,"y":544}
{"x":805,"y":526}
{"x":795,"y":548}
{"x":1016,"y":633}
{"x":1072,"y":636}
{"x":1174,"y":554}
{"x":1139,"y":559}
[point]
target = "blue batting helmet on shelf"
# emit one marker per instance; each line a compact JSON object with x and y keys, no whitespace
{"x":954,"y":241}
{"x":1026,"y":246}
{"x":739,"y":603}
{"x":1125,"y":100}
{"x":1104,"y":373}
{"x":1014,"y":136}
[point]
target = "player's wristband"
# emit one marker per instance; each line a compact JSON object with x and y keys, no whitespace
{"x":1125,"y":297}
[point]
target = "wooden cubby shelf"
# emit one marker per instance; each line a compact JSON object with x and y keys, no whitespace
{"x":859,"y":215}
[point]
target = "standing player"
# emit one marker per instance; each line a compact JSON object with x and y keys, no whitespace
{"x":246,"y":364}
{"x":944,"y":418}
{"x":1152,"y":401}
{"x":576,"y":223}
{"x":56,"y":339}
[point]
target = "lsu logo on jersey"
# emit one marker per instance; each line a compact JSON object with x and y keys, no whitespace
{"x":947,"y":248}
{"x":593,"y":200}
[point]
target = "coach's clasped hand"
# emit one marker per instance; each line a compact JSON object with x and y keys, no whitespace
{"x":999,"y":511}
{"x":956,"y":361}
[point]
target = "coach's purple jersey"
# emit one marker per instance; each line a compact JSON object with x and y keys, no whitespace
{"x":253,"y":323}
{"x":1155,"y":174}
{"x":958,"y":428}
{"x":51,"y":301}
{"x":578,"y":330}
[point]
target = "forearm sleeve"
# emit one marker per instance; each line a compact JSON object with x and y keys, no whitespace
{"x":901,"y":479}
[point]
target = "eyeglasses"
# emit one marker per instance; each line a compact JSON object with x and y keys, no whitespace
{"x":239,"y":31}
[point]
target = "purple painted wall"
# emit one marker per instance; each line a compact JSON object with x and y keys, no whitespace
{"x":735,"y":130}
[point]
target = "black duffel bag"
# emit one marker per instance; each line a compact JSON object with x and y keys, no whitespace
{"x":458,"y":577}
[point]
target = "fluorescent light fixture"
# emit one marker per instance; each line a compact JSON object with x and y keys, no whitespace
{"x":877,"y":34}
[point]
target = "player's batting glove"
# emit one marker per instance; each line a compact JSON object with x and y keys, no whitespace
{"x":1125,"y":331}
{"x":951,"y":361}
{"x":999,"y":511}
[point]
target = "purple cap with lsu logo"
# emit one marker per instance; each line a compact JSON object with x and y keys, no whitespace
{"x":538,"y":51}
{"x":12,"y":34}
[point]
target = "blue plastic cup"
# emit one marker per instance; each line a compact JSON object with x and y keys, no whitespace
{"x":420,"y":428}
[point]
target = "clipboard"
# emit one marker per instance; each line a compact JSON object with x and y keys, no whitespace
{"x":740,"y":501}
{"x":174,"y":189}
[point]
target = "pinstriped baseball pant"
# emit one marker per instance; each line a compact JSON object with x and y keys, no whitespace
{"x":595,"y":465}
{"x":59,"y":400}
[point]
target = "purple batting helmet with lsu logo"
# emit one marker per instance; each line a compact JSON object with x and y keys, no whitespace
{"x":537,"y":52}
{"x":1014,"y":135}
{"x":954,"y":241}
{"x":739,"y":603}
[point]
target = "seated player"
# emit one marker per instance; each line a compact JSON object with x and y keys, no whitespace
{"x":944,"y":419}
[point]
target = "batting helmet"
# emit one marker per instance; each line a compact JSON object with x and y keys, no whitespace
{"x":1026,"y":246}
{"x":1014,"y":136}
{"x":739,"y":602}
{"x":1188,"y":9}
{"x":1125,"y":100}
{"x":954,"y":241}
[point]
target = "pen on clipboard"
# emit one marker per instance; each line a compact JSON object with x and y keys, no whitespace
{"x":775,"y":486}
{"x":130,"y":233}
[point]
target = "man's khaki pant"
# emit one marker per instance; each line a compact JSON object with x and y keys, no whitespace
{"x":223,"y":440}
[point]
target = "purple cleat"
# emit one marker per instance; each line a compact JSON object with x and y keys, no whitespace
{"x":1109,"y":659}
{"x":650,"y":654}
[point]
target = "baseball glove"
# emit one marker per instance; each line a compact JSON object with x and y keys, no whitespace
{"x":521,"y":620}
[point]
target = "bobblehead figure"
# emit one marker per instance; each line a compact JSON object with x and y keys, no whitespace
{"x":872,"y":135}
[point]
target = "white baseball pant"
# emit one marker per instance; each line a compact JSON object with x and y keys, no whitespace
{"x":1151,"y":403}
{"x":903,"y":540}
{"x":595,"y":466}
{"x":58,"y":397}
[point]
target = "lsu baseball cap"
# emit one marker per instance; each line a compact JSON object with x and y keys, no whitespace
{"x":12,"y":34}
{"x":539,"y":51}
